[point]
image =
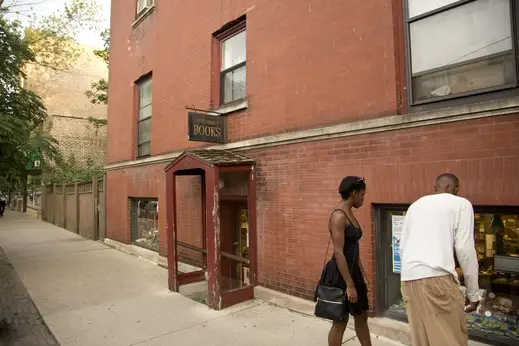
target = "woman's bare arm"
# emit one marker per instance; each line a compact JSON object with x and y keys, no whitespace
{"x":338,"y":222}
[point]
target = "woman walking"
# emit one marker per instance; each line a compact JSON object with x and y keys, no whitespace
{"x":345,"y":269}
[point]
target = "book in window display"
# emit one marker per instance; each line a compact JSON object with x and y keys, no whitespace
{"x":147,"y":224}
{"x":496,"y":239}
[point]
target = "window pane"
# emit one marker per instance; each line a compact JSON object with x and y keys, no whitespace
{"x":417,"y":7}
{"x":144,"y":131}
{"x":471,"y":31}
{"x":233,"y":51}
{"x":467,"y":77}
{"x":145,"y":93}
{"x":143,"y":149}
{"x":235,"y":85}
{"x":145,"y":112}
{"x":145,"y":224}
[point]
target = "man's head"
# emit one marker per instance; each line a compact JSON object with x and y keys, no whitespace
{"x":447,"y":183}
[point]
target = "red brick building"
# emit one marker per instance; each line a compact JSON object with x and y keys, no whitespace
{"x":395,"y":91}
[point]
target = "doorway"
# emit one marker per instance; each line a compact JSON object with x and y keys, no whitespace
{"x":389,"y":221}
{"x":234,"y":244}
{"x":227,"y":250}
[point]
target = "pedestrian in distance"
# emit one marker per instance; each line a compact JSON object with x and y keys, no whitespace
{"x":345,"y":270}
{"x":3,"y":203}
{"x":433,"y":226}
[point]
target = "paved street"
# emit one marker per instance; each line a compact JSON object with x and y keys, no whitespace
{"x":90,"y":294}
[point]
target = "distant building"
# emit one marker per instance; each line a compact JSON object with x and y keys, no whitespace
{"x":63,"y":93}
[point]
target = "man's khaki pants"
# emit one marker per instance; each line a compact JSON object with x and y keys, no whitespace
{"x":435,"y":308}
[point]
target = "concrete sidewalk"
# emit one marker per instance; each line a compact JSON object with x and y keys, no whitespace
{"x":90,"y":294}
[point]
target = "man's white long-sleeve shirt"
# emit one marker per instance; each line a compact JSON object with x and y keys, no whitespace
{"x":434,"y":227}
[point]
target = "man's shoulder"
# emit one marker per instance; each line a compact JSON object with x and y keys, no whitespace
{"x":464,"y":203}
{"x":443,"y":199}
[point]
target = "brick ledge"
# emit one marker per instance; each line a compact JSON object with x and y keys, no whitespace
{"x":391,"y":123}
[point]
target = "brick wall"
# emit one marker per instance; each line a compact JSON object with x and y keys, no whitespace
{"x":308,"y":64}
{"x":63,"y":93}
{"x":80,"y":138}
{"x":149,"y":182}
{"x":297,"y":188}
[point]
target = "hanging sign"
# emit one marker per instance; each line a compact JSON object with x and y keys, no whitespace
{"x":397,"y":223}
{"x":206,"y":128}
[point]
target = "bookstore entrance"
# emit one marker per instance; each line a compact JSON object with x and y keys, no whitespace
{"x":227,"y":253}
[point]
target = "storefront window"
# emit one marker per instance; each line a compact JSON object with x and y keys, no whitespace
{"x":145,"y":225}
{"x":497,"y":245}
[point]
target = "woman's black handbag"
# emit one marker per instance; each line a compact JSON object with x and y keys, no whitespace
{"x":330,"y":301}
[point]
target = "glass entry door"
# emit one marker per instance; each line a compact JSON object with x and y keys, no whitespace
{"x":389,"y":228}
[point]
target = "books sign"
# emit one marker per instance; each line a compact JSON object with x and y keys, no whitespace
{"x":206,"y":128}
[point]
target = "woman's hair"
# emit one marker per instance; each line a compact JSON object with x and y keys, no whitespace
{"x":350,"y":184}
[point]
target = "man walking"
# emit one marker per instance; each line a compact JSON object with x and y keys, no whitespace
{"x":434,"y":226}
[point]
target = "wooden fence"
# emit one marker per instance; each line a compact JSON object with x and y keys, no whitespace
{"x":78,"y":207}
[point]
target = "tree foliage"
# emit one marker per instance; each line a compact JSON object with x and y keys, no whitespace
{"x":21,"y":111}
{"x":49,"y":42}
{"x":52,"y":38}
{"x":98,"y":93}
{"x":70,"y":170}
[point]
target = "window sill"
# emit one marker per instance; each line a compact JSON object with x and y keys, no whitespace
{"x":232,"y":107}
{"x":143,"y":16}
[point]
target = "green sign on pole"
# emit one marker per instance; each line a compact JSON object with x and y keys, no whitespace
{"x":35,"y":162}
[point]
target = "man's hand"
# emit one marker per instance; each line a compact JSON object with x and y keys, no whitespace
{"x":471,"y":306}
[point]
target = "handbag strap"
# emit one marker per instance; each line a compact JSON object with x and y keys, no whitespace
{"x":330,"y":240}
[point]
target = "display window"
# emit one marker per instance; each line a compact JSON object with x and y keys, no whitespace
{"x":496,"y":237}
{"x":145,"y":222}
{"x":497,"y":245}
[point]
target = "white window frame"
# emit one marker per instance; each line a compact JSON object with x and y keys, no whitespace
{"x":140,"y":144}
{"x":239,"y":29}
{"x":144,"y":5}
{"x":472,"y":94}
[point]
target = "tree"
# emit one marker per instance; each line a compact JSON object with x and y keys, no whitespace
{"x":21,"y":111}
{"x":52,"y":38}
{"x":98,"y":94}
{"x":48,"y":42}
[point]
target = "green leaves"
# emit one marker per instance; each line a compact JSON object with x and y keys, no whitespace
{"x":52,"y":38}
{"x":49,"y":42}
{"x":98,"y":93}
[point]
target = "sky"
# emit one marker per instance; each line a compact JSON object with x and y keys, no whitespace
{"x":46,"y":7}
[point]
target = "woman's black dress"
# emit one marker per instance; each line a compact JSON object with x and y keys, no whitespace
{"x":332,"y":276}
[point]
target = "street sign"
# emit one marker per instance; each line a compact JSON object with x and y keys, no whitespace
{"x":35,"y":162}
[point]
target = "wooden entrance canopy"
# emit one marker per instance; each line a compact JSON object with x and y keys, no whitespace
{"x":209,"y":164}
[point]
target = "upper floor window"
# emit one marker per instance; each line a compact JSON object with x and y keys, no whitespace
{"x":459,"y":48}
{"x":233,"y":71}
{"x":144,"y":119}
{"x":144,"y":5}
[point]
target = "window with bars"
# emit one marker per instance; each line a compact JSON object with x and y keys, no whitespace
{"x":459,"y":48}
{"x":233,"y":70}
{"x":144,"y":118}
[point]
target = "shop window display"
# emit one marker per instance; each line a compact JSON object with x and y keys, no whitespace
{"x":497,"y":245}
{"x":145,"y":225}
